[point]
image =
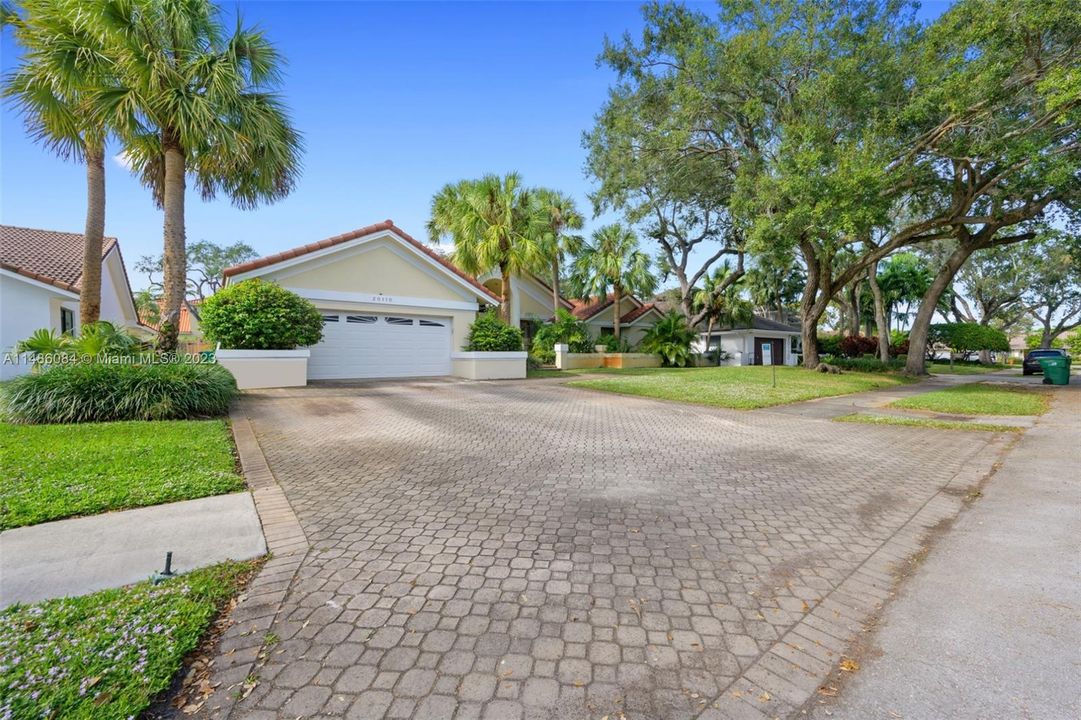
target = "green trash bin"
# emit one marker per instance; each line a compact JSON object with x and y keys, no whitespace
{"x":1056,"y":370}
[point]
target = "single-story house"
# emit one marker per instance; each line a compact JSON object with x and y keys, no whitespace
{"x":391,"y":306}
{"x":40,"y":282}
{"x":530,"y":300}
{"x":762,"y":342}
{"x":635,"y":316}
{"x":531,"y":306}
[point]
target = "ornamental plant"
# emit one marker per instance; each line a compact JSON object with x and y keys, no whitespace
{"x":490,"y":334}
{"x":564,"y":329}
{"x":671,"y":338}
{"x":259,"y":315}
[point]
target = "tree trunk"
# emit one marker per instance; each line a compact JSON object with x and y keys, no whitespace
{"x":175,"y":271}
{"x":504,"y":305}
{"x":880,"y":314}
{"x":93,"y":237}
{"x":555,"y":285}
{"x":617,"y":294}
{"x":709,"y":339}
{"x":854,"y":309}
{"x":810,"y":307}
{"x":917,"y":336}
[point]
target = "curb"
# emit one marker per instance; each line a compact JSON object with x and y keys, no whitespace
{"x":258,"y":606}
{"x":786,"y":678}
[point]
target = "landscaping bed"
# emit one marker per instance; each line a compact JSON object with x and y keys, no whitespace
{"x":744,"y":387}
{"x":108,"y":654}
{"x":979,"y":399}
{"x":57,"y":471}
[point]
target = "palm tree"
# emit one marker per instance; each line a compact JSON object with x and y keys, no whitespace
{"x":562,"y":215}
{"x":721,"y":300}
{"x":612,"y":262}
{"x":494,"y":223}
{"x":58,"y":87}
{"x":197,"y":101}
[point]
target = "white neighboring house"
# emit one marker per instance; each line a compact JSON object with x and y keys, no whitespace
{"x":750,"y":345}
{"x":40,"y":277}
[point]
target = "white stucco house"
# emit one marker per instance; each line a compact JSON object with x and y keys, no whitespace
{"x":40,"y":282}
{"x":763,"y":342}
{"x":391,"y":306}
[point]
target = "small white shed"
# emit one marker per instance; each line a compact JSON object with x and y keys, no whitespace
{"x":763,"y":342}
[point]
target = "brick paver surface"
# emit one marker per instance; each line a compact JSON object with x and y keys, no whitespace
{"x":528,"y":550}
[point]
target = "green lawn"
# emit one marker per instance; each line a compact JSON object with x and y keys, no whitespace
{"x":51,"y":472}
{"x":943,"y":368}
{"x":979,"y":399}
{"x":925,"y":423}
{"x":107,"y":655}
{"x":736,"y":387}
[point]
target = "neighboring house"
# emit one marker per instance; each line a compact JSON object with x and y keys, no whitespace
{"x":531,"y":300}
{"x":635,"y":316}
{"x":188,"y":324}
{"x":40,"y":282}
{"x":392,"y":307}
{"x":748,"y":345}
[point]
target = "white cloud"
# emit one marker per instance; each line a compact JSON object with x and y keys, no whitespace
{"x":122,"y":159}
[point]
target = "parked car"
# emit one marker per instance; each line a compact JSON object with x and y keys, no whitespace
{"x":1032,"y":365}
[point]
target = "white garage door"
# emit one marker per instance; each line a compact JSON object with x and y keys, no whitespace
{"x":378,"y":346}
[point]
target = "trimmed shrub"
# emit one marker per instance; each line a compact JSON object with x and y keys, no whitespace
{"x":490,"y":334}
{"x":867,"y":364}
{"x":106,"y":391}
{"x":855,"y":346}
{"x":258,"y":315}
{"x":829,"y":345}
{"x":671,"y":338}
{"x":564,"y":329}
{"x":967,"y":338}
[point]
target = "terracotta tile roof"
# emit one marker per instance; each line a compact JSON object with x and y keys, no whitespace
{"x":183,"y":324}
{"x":637,"y":313}
{"x":54,"y":258}
{"x":587,"y":308}
{"x":353,"y":235}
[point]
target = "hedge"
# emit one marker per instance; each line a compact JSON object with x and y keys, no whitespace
{"x":258,"y":315}
{"x":489,"y":333}
{"x":99,"y":392}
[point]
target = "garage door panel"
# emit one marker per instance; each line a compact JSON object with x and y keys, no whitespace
{"x":376,"y":346}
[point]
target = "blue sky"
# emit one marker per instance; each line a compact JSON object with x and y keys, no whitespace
{"x":394,"y":100}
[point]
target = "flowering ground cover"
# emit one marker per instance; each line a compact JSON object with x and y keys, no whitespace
{"x":106,"y":655}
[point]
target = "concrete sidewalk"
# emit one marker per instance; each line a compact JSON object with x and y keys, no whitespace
{"x":990,"y":625}
{"x":81,"y":555}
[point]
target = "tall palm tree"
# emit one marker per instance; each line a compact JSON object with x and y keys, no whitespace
{"x":612,"y":263}
{"x":722,"y":301}
{"x":58,"y":88}
{"x":195,"y":100}
{"x":562,"y":215}
{"x":494,"y":223}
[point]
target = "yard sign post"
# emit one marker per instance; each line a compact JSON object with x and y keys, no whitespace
{"x":767,"y":358}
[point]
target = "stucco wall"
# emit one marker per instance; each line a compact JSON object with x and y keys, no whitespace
{"x":381,"y":267}
{"x":489,"y":365}
{"x":24,"y":308}
{"x":265,"y":368}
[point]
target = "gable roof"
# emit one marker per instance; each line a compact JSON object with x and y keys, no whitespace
{"x":183,"y":323}
{"x":760,"y":323}
{"x":51,"y":257}
{"x":591,"y":307}
{"x":385,"y":226}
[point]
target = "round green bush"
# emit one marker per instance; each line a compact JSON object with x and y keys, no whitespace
{"x":490,"y":334}
{"x":259,"y":315}
{"x":101,"y":392}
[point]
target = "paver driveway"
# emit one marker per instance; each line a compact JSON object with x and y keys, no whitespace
{"x":526,"y":549}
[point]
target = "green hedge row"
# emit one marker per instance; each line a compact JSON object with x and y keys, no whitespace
{"x":100,"y":392}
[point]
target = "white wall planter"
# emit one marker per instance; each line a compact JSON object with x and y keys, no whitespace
{"x":265,"y":368}
{"x":476,"y":365}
